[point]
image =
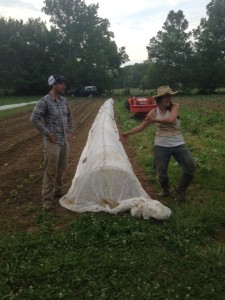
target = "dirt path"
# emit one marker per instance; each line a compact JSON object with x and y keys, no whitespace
{"x":21,"y":166}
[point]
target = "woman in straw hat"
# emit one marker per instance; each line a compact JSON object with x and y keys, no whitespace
{"x":168,"y":142}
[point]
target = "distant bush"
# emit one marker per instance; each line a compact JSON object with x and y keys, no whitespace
{"x":6,"y":92}
{"x":133,"y":92}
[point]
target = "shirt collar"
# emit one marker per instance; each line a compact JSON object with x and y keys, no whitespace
{"x":54,"y":99}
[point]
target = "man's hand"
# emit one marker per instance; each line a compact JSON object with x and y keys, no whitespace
{"x":52,"y":138}
{"x":70,"y":136}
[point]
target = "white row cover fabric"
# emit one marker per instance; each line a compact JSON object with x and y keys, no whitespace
{"x":104,"y":179}
{"x":10,"y":106}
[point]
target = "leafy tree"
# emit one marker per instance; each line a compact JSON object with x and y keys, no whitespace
{"x":210,"y":48}
{"x":90,"y":55}
{"x":170,"y":51}
{"x":133,"y":76}
{"x":10,"y":32}
{"x":79,"y":45}
{"x":25,"y":55}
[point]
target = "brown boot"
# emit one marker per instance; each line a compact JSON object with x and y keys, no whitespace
{"x":183,"y":185}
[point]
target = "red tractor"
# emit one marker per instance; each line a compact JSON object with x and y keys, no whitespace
{"x":140,"y":105}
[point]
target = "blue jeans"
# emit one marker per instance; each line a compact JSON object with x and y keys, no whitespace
{"x":162,"y":158}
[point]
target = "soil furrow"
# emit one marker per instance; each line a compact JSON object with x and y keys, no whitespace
{"x":22,"y":165}
{"x":22,"y":172}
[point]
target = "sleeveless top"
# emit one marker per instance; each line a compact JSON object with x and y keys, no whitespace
{"x":168,"y":135}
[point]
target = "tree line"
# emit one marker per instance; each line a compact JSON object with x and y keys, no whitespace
{"x":80,"y":45}
{"x":187,"y":61}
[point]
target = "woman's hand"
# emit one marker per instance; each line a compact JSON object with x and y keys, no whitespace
{"x":123,"y":136}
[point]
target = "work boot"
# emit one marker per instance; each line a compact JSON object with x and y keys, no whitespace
{"x":165,"y":188}
{"x":58,"y":194}
{"x":164,"y":193}
{"x":183,"y":185}
{"x":47,"y":205}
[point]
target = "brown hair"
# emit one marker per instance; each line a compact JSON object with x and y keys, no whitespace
{"x":159,"y":99}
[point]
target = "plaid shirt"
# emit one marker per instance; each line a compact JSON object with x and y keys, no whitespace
{"x":56,"y":115}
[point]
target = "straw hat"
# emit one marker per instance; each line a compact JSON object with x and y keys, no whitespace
{"x":164,"y":90}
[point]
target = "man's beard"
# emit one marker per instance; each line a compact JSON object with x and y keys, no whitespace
{"x":61,"y":92}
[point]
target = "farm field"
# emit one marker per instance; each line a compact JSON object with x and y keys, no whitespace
{"x":64,"y":255}
{"x":21,"y":160}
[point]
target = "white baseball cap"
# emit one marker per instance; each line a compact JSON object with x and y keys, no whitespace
{"x":55,"y":79}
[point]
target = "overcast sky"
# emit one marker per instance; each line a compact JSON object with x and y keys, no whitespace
{"x":133,"y":22}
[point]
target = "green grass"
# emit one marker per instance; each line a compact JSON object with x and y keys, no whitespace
{"x":100,"y":256}
{"x":116,"y":257}
{"x":14,"y":111}
{"x":16,"y":100}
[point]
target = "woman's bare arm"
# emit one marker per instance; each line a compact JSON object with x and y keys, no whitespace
{"x":147,"y":121}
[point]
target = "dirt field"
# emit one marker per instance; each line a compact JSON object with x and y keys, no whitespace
{"x":21,"y":166}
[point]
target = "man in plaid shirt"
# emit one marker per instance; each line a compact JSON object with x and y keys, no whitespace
{"x":57,"y":130}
